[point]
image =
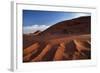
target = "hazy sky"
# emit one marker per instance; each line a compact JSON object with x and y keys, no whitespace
{"x":39,"y":20}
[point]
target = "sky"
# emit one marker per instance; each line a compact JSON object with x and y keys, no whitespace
{"x":40,"y":20}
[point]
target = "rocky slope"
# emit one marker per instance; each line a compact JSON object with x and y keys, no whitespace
{"x":66,"y":40}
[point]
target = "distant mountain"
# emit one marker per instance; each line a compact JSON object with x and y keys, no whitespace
{"x":79,"y":25}
{"x":37,"y":32}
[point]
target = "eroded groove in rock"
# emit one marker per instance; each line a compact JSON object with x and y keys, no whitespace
{"x":50,"y":54}
{"x":87,"y":54}
{"x":84,"y":49}
{"x":81,"y":45}
{"x":59,"y":52}
{"x":70,"y":49}
{"x":27,"y":57}
{"x":31,"y":49}
{"x":44,"y":51}
{"x":41,"y":47}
